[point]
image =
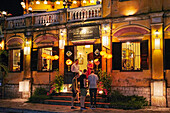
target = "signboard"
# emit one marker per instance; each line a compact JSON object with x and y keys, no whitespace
{"x":81,"y":33}
{"x":24,"y":86}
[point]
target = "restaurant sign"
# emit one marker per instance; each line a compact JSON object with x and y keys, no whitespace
{"x":81,"y":33}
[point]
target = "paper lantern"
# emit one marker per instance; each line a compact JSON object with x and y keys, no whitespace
{"x":52,"y":58}
{"x":69,"y":62}
{"x":44,"y":55}
{"x":102,"y":53}
{"x":56,"y":57}
{"x":48,"y":57}
{"x":109,"y":56}
{"x":105,"y":56}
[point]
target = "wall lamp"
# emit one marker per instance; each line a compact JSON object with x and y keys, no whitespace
{"x":157,"y":40}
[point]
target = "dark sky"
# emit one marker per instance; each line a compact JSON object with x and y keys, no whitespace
{"x":11,"y":6}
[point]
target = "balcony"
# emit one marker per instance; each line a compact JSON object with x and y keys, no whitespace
{"x":55,"y":17}
{"x":84,"y":13}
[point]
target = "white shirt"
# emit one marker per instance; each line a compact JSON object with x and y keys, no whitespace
{"x":75,"y":68}
{"x":93,"y":78}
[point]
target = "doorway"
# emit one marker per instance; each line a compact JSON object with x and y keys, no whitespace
{"x":84,"y":53}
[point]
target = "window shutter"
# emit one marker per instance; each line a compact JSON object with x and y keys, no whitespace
{"x":34,"y":59}
{"x":21,"y":60}
{"x":55,"y":63}
{"x":97,"y":48}
{"x":167,"y":54}
{"x":10,"y":58}
{"x":144,"y":55}
{"x":116,"y":53}
{"x":68,"y":75}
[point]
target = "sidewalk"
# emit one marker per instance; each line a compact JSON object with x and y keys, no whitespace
{"x":19,"y":106}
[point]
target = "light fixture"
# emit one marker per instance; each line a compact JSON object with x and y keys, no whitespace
{"x":84,"y":1}
{"x":157,"y":43}
{"x":101,"y":92}
{"x":92,"y":1}
{"x":61,"y":44}
{"x":109,"y":56}
{"x":102,"y":53}
{"x":61,"y":33}
{"x":128,"y":43}
{"x":4,"y":12}
{"x":45,"y":1}
{"x":57,"y":2}
{"x":156,"y":32}
{"x":87,"y":46}
{"x":84,"y":31}
{"x":74,"y":2}
{"x":22,"y":3}
{"x":27,"y":48}
{"x":30,"y":8}
{"x":105,"y":41}
{"x":37,"y":2}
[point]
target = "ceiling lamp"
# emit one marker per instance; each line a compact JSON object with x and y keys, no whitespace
{"x":57,"y":2}
{"x":30,"y":8}
{"x":37,"y":2}
{"x":92,"y":1}
{"x":45,"y":1}
{"x":84,"y":1}
{"x":74,"y":2}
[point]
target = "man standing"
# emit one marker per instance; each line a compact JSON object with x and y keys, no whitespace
{"x":92,"y":79}
{"x":75,"y":67}
{"x":83,"y":89}
{"x":74,"y":90}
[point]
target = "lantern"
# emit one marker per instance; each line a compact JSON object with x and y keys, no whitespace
{"x":48,"y":57}
{"x":56,"y":57}
{"x":69,"y":62}
{"x":52,"y":57}
{"x":109,"y":56}
{"x":102,"y":53}
{"x":96,"y":62}
{"x":44,"y":55}
{"x":105,"y":56}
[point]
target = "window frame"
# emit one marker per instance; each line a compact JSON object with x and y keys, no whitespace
{"x":9,"y":61}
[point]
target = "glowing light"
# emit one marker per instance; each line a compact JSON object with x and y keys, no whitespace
{"x":4,"y":12}
{"x":100,"y":92}
{"x":44,"y":55}
{"x":56,"y":57}
{"x":158,"y":88}
{"x":61,"y":44}
{"x":37,"y":2}
{"x":87,"y":46}
{"x":30,"y":8}
{"x":74,"y":2}
{"x":26,"y":50}
{"x":109,"y":56}
{"x":156,"y":32}
{"x":45,"y":2}
{"x":157,"y":43}
{"x":22,"y":3}
{"x":105,"y":41}
{"x":105,"y":56}
{"x":57,"y":2}
{"x":92,"y":1}
{"x":127,"y":43}
{"x":84,"y":31}
{"x":61,"y":33}
{"x":84,"y":1}
{"x":102,"y":53}
{"x":48,"y":57}
{"x":69,"y":62}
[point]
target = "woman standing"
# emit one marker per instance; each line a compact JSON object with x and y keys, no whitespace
{"x":89,"y":68}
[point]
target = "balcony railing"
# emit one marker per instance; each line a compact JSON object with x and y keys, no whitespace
{"x":54,"y":17}
{"x":84,"y":13}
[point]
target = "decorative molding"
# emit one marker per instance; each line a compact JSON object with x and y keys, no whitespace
{"x":159,"y":14}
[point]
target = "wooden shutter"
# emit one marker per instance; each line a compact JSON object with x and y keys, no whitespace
{"x":144,"y":55}
{"x":21,"y":60}
{"x":167,"y":54}
{"x":4,"y":58}
{"x":68,"y":75}
{"x":34,"y":59}
{"x":55,"y":63}
{"x":116,"y":56}
{"x":97,"y":48}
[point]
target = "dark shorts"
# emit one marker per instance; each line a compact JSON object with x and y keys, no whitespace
{"x":74,"y":93}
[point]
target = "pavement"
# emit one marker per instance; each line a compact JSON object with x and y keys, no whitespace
{"x":20,"y":106}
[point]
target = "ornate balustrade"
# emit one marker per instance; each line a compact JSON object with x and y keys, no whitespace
{"x":54,"y":17}
{"x":84,"y":13}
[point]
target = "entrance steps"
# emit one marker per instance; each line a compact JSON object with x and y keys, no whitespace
{"x":65,"y":99}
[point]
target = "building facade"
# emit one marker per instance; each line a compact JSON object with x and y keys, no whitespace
{"x":134,"y":32}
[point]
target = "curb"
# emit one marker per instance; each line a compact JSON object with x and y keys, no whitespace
{"x":15,"y":110}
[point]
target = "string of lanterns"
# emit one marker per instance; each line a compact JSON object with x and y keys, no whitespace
{"x":105,"y":55}
{"x":49,"y":57}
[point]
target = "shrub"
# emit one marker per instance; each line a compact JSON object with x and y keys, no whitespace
{"x":40,"y":91}
{"x":38,"y":98}
{"x":119,"y":101}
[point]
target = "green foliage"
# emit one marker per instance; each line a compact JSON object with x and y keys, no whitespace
{"x":119,"y":101}
{"x":58,"y":82}
{"x":40,"y":91}
{"x":38,"y":98}
{"x":106,"y":81}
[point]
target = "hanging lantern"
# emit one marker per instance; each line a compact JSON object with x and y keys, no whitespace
{"x":44,"y":55}
{"x":48,"y":57}
{"x":52,"y":58}
{"x":109,"y":56}
{"x":56,"y":57}
{"x":69,"y":62}
{"x":102,"y":53}
{"x":105,"y":56}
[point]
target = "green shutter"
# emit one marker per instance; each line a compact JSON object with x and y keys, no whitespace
{"x":116,"y":56}
{"x":34,"y":59}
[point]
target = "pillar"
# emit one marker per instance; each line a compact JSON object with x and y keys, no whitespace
{"x":158,"y":85}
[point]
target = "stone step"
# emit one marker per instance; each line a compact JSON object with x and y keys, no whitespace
{"x":76,"y":103}
{"x":98,"y":99}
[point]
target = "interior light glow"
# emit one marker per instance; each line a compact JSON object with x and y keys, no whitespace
{"x":45,"y":2}
{"x":84,"y":1}
{"x":87,"y":46}
{"x":57,"y":2}
{"x":37,"y":2}
{"x":74,"y":2}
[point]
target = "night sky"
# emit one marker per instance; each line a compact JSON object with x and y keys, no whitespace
{"x":11,"y":6}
